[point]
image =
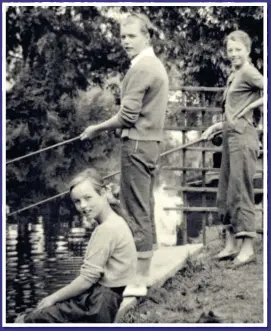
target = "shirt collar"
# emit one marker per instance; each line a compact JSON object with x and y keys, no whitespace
{"x":234,"y":71}
{"x":146,"y":52}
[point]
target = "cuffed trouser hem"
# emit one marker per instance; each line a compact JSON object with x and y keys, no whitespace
{"x":145,"y":255}
{"x":245,"y":234}
{"x":228,"y":227}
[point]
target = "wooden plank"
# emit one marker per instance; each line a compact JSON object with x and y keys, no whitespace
{"x":199,"y":209}
{"x":212,"y":170}
{"x":199,"y":189}
{"x":198,"y":109}
{"x":192,"y":128}
{"x":184,"y":128}
{"x":197,"y":89}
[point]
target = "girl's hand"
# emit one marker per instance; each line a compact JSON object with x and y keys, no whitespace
{"x":244,"y":111}
{"x":46,"y":302}
{"x":211,"y":131}
{"x":208,"y":133}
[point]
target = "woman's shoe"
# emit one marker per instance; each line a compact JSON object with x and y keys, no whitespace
{"x":228,"y":256}
{"x":237,"y":263}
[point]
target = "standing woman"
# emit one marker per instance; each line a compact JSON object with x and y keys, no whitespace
{"x":235,"y":197}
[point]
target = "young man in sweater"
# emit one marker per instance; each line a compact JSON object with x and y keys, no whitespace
{"x":141,"y":117}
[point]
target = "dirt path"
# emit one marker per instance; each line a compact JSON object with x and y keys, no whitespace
{"x":203,"y":286}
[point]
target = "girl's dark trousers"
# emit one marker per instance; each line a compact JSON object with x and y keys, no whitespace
{"x":99,"y":305}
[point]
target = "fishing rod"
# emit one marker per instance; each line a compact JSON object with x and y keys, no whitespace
{"x":172,"y":150}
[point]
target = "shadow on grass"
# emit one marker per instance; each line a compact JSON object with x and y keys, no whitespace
{"x":205,"y":291}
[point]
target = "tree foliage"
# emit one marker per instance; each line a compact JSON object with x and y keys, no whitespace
{"x":193,"y":38}
{"x":66,"y":64}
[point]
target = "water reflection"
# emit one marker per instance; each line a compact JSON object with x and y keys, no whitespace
{"x":41,"y":256}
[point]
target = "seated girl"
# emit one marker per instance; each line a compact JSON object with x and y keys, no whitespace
{"x":109,"y":264}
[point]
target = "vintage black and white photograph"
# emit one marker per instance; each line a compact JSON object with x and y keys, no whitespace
{"x":134,"y":164}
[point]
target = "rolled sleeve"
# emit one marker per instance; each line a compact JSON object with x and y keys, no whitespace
{"x":98,"y":252}
{"x":131,"y":104}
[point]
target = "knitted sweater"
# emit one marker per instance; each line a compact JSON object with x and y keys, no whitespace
{"x":144,"y":100}
{"x":111,"y":256}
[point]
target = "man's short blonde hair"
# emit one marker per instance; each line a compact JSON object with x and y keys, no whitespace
{"x":147,"y":27}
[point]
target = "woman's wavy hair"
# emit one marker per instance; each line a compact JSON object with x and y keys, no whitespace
{"x":98,"y":183}
{"x":90,"y":174}
{"x":242,"y":36}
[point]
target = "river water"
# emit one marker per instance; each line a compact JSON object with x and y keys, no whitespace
{"x":41,"y":257}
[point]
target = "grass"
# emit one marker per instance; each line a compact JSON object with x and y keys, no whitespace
{"x":204,"y":285}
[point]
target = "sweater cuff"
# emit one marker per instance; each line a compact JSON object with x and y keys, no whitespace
{"x":91,"y":273}
{"x":123,"y":121}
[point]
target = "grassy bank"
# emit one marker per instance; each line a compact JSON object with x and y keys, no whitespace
{"x":236,"y":296}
